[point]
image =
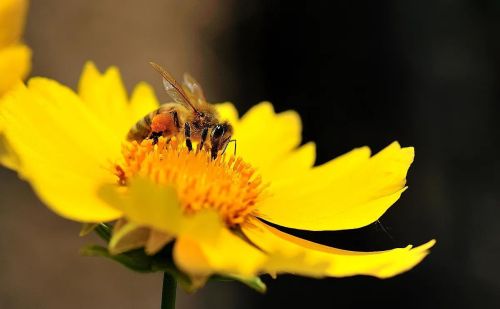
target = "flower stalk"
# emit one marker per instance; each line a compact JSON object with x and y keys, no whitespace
{"x":168,"y":291}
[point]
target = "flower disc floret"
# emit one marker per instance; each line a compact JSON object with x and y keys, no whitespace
{"x":227,"y":184}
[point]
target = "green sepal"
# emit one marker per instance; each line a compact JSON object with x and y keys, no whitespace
{"x":87,"y":228}
{"x":137,"y":260}
{"x":133,"y":260}
{"x":128,"y":237}
{"x":253,"y":282}
{"x":104,"y":231}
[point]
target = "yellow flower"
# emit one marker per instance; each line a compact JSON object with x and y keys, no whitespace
{"x":71,"y":149}
{"x":14,"y":56}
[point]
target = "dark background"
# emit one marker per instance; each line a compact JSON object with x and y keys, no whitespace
{"x":425,"y":73}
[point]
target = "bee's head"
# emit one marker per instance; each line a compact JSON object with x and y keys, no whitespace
{"x":220,"y":136}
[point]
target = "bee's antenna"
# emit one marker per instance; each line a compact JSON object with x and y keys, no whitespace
{"x":231,"y":141}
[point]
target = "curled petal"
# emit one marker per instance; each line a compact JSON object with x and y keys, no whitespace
{"x":295,"y":255}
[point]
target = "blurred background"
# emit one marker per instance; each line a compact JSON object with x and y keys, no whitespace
{"x":426,"y":73}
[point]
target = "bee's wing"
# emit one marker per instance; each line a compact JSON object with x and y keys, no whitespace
{"x":174,"y":90}
{"x":193,"y":89}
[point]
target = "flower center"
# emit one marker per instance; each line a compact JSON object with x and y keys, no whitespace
{"x":226,"y":184}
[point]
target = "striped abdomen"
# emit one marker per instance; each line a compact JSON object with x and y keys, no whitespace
{"x":159,"y":120}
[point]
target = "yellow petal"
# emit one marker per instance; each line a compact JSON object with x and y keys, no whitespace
{"x":8,"y":157}
{"x":12,"y":16}
{"x":62,"y":149}
{"x":295,"y":255}
{"x":14,"y":65}
{"x":190,"y":258}
{"x":63,"y":121}
{"x":227,"y":254}
{"x":265,"y":138}
{"x":203,"y":246}
{"x":70,"y":195}
{"x":147,"y":204}
{"x":349,"y":192}
{"x":106,"y":97}
{"x":204,"y":226}
{"x":227,"y":112}
{"x":295,"y":163}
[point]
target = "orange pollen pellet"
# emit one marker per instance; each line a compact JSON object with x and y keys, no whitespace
{"x":161,"y":122}
{"x":227,"y":184}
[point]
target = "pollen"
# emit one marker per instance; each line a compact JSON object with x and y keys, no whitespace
{"x":227,"y":184}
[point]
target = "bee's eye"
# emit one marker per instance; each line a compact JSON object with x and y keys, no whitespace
{"x":217,"y":131}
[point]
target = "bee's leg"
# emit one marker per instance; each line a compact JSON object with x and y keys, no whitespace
{"x":155,"y":136}
{"x":175,"y":116}
{"x":231,"y":141}
{"x":214,"y":149}
{"x":187,"y":135}
{"x":204,"y":134}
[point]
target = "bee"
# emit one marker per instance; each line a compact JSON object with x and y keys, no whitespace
{"x":189,"y":116}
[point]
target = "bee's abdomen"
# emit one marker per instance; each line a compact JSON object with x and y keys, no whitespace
{"x":160,"y":120}
{"x":142,"y":128}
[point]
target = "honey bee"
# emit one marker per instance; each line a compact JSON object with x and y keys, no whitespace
{"x":189,"y":115}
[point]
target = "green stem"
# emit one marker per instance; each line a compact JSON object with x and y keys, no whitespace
{"x":168,"y":291}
